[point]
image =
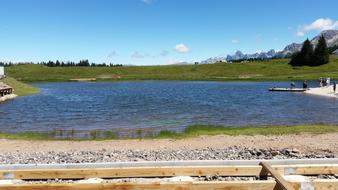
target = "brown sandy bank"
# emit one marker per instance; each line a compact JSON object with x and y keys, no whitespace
{"x":303,"y":142}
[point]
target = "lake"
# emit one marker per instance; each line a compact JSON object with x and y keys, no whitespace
{"x":158,"y":105}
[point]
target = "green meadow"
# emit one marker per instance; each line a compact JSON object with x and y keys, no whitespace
{"x":270,"y":70}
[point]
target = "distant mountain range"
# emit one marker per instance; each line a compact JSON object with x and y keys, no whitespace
{"x":331,"y":37}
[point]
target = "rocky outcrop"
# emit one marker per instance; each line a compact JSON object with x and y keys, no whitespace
{"x":331,"y":37}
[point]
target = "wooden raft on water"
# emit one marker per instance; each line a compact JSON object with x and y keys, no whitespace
{"x":287,"y":89}
{"x":277,"y":170}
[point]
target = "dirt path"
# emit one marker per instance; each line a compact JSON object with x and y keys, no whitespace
{"x":306,"y":143}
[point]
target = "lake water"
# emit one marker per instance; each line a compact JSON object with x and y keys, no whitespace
{"x":159,"y":105}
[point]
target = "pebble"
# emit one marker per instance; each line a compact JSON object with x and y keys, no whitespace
{"x":230,"y":153}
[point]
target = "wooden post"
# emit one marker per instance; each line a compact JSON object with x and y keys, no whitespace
{"x":281,"y":182}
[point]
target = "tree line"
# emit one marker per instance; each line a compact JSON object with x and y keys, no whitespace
{"x":57,"y":63}
{"x":309,"y":56}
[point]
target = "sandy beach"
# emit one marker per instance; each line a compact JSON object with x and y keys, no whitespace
{"x":326,"y":91}
{"x":306,"y":143}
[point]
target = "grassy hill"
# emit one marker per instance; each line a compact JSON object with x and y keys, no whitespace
{"x":20,"y":89}
{"x":277,"y":69}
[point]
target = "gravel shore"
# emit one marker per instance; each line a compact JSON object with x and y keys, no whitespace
{"x":201,"y":148}
{"x":230,"y":153}
{"x":303,"y":146}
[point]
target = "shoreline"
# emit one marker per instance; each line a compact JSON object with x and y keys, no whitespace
{"x":192,"y":131}
{"x":8,"y":97}
{"x":221,"y":147}
{"x":20,"y":88}
{"x":326,"y":91}
{"x":219,"y":79}
{"x":304,"y":142}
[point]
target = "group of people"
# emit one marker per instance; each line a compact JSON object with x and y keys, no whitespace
{"x":324,"y":82}
{"x":327,"y":82}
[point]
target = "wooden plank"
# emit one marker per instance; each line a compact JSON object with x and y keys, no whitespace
{"x":325,"y":184}
{"x":279,"y":179}
{"x":165,"y":171}
{"x":316,"y":184}
{"x":132,"y":172}
{"x":169,"y":163}
{"x":244,"y":185}
{"x":232,"y":185}
{"x":307,"y":169}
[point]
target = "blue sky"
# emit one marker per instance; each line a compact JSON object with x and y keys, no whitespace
{"x":153,"y":32}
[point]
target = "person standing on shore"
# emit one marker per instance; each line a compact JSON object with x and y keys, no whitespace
{"x":305,"y":84}
{"x":321,"y":81}
{"x":328,"y":82}
{"x":334,"y":87}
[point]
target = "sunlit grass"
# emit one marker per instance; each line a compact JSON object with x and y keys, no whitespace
{"x":270,"y":70}
{"x":200,"y":130}
{"x":20,"y":88}
{"x":189,"y":132}
{"x":26,"y":136}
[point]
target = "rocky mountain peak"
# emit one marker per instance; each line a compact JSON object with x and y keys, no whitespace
{"x":331,"y":37}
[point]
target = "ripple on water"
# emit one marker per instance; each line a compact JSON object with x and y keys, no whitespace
{"x":162,"y":105}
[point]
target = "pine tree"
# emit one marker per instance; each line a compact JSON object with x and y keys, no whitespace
{"x":295,"y":59}
{"x":57,"y":63}
{"x":307,"y":51}
{"x":304,"y":57}
{"x":321,"y":53}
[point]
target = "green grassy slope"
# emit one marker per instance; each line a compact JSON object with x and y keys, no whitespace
{"x":277,"y":69}
{"x":20,"y":89}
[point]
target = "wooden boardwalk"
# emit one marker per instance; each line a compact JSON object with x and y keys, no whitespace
{"x":278,"y":172}
{"x":5,"y":89}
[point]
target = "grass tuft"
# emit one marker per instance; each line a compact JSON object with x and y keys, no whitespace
{"x":109,"y":135}
{"x":26,"y":136}
{"x":200,"y":130}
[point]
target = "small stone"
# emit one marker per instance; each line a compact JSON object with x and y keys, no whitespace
{"x":295,"y":150}
{"x":274,"y":153}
